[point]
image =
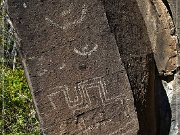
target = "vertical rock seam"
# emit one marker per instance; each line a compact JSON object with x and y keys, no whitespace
{"x":135,"y":49}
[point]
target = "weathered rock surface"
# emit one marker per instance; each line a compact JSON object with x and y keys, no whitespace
{"x":162,"y":21}
{"x":161,"y":32}
{"x":75,"y":72}
{"x":83,"y":59}
{"x":128,"y":26}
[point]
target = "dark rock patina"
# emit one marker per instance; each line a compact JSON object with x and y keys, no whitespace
{"x":74,"y":68}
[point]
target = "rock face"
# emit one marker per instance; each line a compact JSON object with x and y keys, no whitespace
{"x":74,"y":68}
{"x":161,"y":31}
{"x":85,"y":60}
{"x":173,"y":87}
{"x":128,"y":26}
{"x":162,"y":21}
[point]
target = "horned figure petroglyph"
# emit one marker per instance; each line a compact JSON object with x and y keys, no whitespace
{"x":67,"y":24}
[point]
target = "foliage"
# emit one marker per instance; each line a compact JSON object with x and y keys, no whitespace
{"x":18,"y":116}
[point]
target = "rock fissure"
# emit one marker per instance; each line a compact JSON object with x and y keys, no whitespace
{"x":166,"y":3}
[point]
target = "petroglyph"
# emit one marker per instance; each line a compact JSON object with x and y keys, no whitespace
{"x":77,"y":21}
{"x":77,"y":100}
{"x":83,"y":14}
{"x":85,"y":51}
{"x":74,"y":67}
{"x":63,"y":66}
{"x":51,"y":22}
{"x":24,"y":5}
{"x":83,"y":98}
{"x":68,"y":24}
{"x":106,"y":92}
{"x":50,"y":97}
{"x":71,"y":103}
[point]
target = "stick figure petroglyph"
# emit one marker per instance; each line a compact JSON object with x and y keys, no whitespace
{"x":85,"y":51}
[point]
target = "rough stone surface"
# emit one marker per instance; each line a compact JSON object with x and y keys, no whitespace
{"x":172,"y":8}
{"x":162,"y":21}
{"x":173,"y":87}
{"x":72,"y":62}
{"x":127,"y":24}
{"x":173,"y":91}
{"x":83,"y":58}
{"x":161,"y":30}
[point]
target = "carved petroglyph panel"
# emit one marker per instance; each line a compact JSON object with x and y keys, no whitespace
{"x":88,"y":94}
{"x":78,"y":80}
{"x":58,"y":64}
{"x":97,"y":95}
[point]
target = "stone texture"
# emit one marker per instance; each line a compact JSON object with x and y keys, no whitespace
{"x":162,"y":21}
{"x":172,"y":8}
{"x":75,"y":72}
{"x":173,"y":89}
{"x":129,"y":28}
{"x":161,"y":30}
{"x":83,"y":58}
